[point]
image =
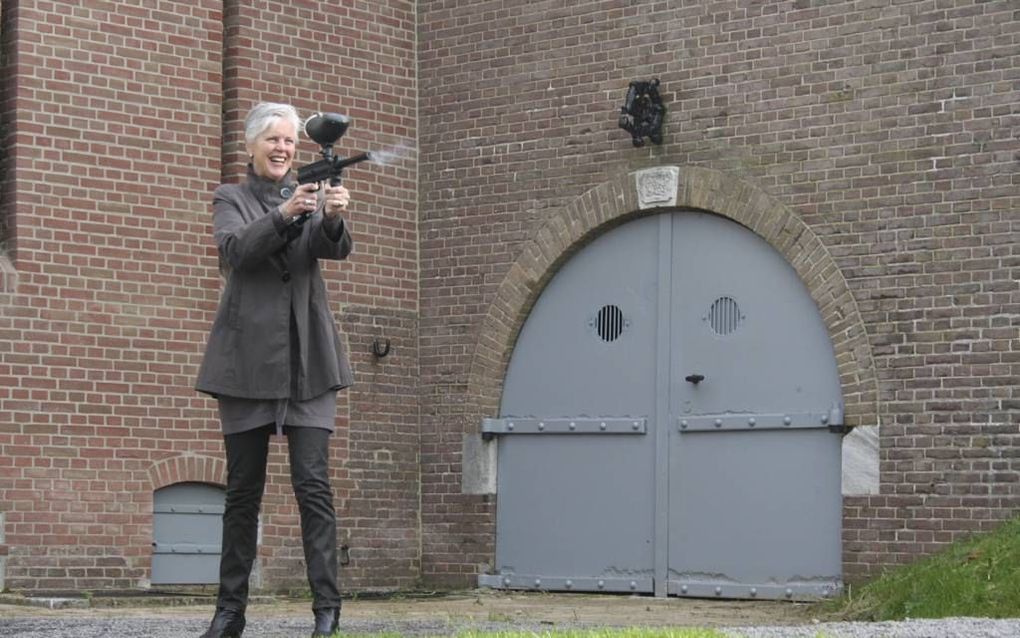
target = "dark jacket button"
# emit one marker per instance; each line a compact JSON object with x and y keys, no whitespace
{"x":286,"y":276}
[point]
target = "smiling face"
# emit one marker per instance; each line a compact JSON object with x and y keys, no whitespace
{"x":273,"y":150}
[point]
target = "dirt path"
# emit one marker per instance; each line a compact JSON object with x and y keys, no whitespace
{"x":481,"y":607}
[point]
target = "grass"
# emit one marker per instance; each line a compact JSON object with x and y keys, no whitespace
{"x":976,"y":577}
{"x":635,"y":632}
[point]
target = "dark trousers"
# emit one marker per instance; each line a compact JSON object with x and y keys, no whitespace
{"x":247,"y":453}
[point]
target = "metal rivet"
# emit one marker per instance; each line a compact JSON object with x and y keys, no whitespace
{"x":751,"y":422}
{"x":683,"y":424}
{"x":541,"y":425}
{"x":509,"y":426}
{"x":602,"y":584}
{"x":825,"y":418}
{"x":602,"y":426}
{"x":789,"y":593}
{"x":683,"y":589}
{"x":787,"y":420}
{"x":636,"y":425}
{"x":506,"y":582}
{"x":538,"y":582}
{"x":754,"y":592}
{"x":633,"y":584}
{"x":573,"y":426}
{"x":718,"y":423}
{"x":569,"y":584}
{"x":718,"y":591}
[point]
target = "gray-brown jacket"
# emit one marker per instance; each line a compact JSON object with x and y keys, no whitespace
{"x":255,"y":349}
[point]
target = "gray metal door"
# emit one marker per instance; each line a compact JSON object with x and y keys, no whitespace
{"x":665,"y":421}
{"x":187,"y":530}
{"x":754,"y":471}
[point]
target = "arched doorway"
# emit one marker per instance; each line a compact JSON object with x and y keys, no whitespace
{"x":670,"y":422}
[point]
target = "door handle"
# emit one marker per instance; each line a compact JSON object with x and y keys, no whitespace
{"x":694,"y":378}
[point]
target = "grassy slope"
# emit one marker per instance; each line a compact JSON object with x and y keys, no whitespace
{"x":976,"y":577}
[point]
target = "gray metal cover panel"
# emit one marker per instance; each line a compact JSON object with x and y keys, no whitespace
{"x":187,"y":531}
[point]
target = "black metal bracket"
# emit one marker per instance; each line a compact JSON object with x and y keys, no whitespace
{"x":643,"y":112}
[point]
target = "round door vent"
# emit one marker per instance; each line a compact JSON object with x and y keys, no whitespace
{"x":609,"y":322}
{"x":724,"y":316}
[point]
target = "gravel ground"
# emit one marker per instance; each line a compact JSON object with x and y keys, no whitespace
{"x":293,"y":628}
{"x":484,"y":611}
{"x":942,"y":628}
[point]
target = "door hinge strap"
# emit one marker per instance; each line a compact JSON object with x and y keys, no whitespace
{"x":564,"y":426}
{"x":559,"y":583}
{"x":744,"y":422}
{"x":767,"y":591}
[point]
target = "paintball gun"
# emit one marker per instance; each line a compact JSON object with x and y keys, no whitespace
{"x":325,"y":129}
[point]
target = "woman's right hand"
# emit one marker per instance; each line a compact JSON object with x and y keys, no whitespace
{"x":304,"y":200}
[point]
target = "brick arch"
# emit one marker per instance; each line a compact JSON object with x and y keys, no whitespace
{"x":616,"y":201}
{"x":187,"y":468}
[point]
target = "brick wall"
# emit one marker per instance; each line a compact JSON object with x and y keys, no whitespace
{"x":120,"y":120}
{"x":890,"y":129}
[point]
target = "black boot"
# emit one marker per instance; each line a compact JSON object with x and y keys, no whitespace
{"x":327,"y":621}
{"x":227,"y":623}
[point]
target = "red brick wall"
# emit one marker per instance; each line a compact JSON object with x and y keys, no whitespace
{"x":890,"y":128}
{"x":120,"y":120}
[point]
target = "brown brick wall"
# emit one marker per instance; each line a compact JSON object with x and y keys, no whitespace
{"x":889,"y":129}
{"x":120,"y":118}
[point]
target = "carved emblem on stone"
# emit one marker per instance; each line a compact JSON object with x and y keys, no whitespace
{"x":657,"y":186}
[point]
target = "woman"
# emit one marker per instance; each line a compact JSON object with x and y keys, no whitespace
{"x":274,"y":360}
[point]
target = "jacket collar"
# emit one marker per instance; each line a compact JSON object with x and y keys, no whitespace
{"x":269,"y":192}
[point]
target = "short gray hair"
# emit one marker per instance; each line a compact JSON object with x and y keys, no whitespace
{"x":262,"y":116}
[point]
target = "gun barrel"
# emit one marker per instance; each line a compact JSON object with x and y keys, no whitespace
{"x":360,"y":157}
{"x":327,"y":168}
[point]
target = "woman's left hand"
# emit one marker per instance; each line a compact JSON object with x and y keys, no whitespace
{"x":337,"y":198}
